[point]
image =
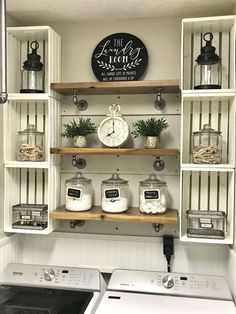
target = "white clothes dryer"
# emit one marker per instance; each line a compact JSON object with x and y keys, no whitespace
{"x":138,"y":292}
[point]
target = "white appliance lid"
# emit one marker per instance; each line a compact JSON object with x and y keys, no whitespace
{"x":140,"y":303}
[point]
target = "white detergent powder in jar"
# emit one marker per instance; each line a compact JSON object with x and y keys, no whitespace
{"x":115,"y":195}
{"x":152,"y":195}
{"x":79,"y":193}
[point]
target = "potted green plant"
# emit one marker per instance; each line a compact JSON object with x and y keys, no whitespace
{"x":150,"y":129}
{"x":78,"y":131}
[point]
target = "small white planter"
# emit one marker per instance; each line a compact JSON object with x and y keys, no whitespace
{"x":80,"y":141}
{"x":151,"y":141}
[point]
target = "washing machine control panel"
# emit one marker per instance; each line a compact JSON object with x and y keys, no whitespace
{"x":202,"y":286}
{"x":51,"y":277}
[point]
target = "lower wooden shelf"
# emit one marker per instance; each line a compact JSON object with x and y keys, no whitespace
{"x":131,"y":215}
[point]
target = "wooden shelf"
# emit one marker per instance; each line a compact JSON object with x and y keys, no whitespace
{"x":132,"y":215}
{"x":115,"y":151}
{"x":112,"y":88}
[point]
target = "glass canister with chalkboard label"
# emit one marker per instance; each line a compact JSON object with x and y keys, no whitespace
{"x":115,"y":194}
{"x":152,"y":195}
{"x":79,"y":193}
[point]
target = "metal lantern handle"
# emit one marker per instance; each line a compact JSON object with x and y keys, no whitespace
{"x":3,"y":93}
{"x":34,"y":43}
{"x":210,"y":37}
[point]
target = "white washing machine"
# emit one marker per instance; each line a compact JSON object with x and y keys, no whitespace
{"x":139,"y":292}
{"x":38,"y":289}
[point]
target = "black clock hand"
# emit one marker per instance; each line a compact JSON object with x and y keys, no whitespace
{"x":113,"y":128}
{"x":110,"y":133}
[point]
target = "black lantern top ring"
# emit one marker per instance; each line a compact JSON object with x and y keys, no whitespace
{"x":208,"y":55}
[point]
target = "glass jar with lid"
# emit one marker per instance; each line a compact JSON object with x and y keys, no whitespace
{"x":152,"y":195}
{"x":207,"y":146}
{"x":30,"y":144}
{"x":115,"y":194}
{"x":79,"y":193}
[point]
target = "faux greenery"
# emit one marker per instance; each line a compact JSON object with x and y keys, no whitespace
{"x":149,"y":127}
{"x":82,"y":128}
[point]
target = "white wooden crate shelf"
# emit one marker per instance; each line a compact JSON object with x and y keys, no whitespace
{"x":202,"y":189}
{"x":28,"y":97}
{"x":208,"y":186}
{"x":185,"y":238}
{"x":19,"y":39}
{"x":204,"y":167}
{"x":219,"y":113}
{"x":223,"y":29}
{"x":209,"y":95}
{"x":32,"y":182}
{"x":26,"y":164}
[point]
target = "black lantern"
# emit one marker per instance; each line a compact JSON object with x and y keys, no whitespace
{"x":32,"y":74}
{"x":207,"y":70}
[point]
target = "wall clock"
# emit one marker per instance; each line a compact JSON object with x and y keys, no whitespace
{"x":113,"y":131}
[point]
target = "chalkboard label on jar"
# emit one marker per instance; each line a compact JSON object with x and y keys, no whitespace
{"x":119,"y":57}
{"x":112,"y":193}
{"x":74,"y":193}
{"x":151,"y":194}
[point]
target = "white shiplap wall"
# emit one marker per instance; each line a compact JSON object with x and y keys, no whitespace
{"x":107,"y":252}
{"x":10,"y":251}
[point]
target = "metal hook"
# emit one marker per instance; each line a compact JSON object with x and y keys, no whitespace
{"x":78,"y":162}
{"x":81,"y":104}
{"x":158,"y":164}
{"x":74,"y":223}
{"x":159,"y":103}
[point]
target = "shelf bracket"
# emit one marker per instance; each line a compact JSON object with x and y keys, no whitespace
{"x":76,"y":223}
{"x":158,"y":164}
{"x":157,"y":227}
{"x":78,"y":162}
{"x":159,"y":103}
{"x":81,"y":104}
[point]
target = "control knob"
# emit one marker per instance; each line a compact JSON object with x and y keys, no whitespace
{"x":168,"y":282}
{"x":49,"y":274}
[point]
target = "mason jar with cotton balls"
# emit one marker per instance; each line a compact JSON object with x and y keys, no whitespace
{"x":79,"y":193}
{"x":115,"y":194}
{"x":152,"y":195}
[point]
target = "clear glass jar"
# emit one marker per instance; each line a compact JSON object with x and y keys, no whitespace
{"x":115,"y":194}
{"x":152,"y":195}
{"x":207,"y":146}
{"x":30,"y":144}
{"x":79,"y":193}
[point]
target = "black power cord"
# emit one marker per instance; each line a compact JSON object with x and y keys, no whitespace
{"x":168,"y":249}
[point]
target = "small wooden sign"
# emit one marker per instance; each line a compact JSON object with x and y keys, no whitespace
{"x":120,"y":57}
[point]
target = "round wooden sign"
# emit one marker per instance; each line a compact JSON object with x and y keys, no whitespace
{"x":120,"y":57}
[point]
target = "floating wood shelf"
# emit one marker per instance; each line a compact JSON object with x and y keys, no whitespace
{"x":115,"y":151}
{"x":132,"y":215}
{"x":113,"y":88}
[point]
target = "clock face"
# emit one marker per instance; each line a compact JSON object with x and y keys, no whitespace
{"x":113,"y":131}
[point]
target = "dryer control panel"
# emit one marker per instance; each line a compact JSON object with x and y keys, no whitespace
{"x":201,"y":286}
{"x":51,"y":277}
